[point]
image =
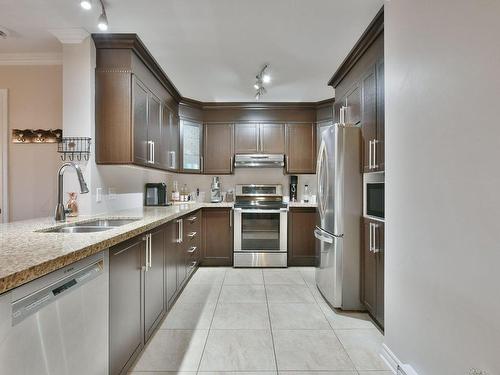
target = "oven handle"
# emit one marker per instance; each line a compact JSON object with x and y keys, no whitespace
{"x":259,"y":211}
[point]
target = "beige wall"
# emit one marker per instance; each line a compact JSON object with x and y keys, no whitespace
{"x":35,"y":102}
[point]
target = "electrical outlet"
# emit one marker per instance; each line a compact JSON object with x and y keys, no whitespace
{"x":98,"y":195}
{"x":111,"y":193}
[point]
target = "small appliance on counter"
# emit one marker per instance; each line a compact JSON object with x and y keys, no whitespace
{"x":293,"y":188}
{"x":156,"y":194}
{"x":215,"y":190}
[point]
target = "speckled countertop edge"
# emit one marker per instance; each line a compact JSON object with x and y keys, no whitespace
{"x":26,"y":253}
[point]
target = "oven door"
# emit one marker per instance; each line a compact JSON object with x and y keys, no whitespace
{"x":260,"y":230}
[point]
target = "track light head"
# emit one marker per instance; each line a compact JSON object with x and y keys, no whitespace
{"x":102,"y":22}
{"x":86,"y":4}
{"x":266,"y":78}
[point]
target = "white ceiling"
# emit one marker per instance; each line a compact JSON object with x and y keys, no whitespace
{"x":212,"y":49}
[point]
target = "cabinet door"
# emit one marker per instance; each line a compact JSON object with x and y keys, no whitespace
{"x":353,"y":103}
{"x":380,"y":243}
{"x":301,"y":148}
{"x":181,"y":255}
{"x":140,"y":119}
{"x":380,"y":146}
{"x":217,"y":235}
{"x":218,"y":149}
{"x":369,"y":285}
{"x":154,"y":130}
{"x":171,"y":255}
{"x":301,"y":240}
{"x":125,"y":301}
{"x":272,"y":138}
{"x":154,"y":283}
{"x":246,"y":138}
{"x":369,"y":118}
{"x":191,"y":135}
{"x":174,"y":142}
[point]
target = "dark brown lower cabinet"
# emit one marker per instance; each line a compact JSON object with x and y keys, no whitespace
{"x":301,"y":241}
{"x":171,"y":260}
{"x":125,"y":304}
{"x":154,"y":283}
{"x":372,"y":284}
{"x":217,"y":232}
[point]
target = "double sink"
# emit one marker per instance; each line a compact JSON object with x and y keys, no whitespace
{"x":97,"y":225}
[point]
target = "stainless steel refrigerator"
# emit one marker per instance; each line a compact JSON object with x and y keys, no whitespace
{"x":338,"y":223}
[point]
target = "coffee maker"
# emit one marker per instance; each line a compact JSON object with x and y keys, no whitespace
{"x":215,"y":191}
{"x":294,"y":180}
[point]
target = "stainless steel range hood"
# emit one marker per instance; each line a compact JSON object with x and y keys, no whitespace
{"x":259,"y":161}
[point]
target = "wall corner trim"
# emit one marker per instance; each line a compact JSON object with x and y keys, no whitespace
{"x":395,"y":365}
{"x":41,"y":58}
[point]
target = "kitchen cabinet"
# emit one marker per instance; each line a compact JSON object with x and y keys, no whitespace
{"x":256,"y":138}
{"x":171,"y":260}
{"x":301,"y":241}
{"x":300,"y":148}
{"x":372,"y":286}
{"x":372,"y":124}
{"x":192,"y":241}
{"x":353,"y":106}
{"x":154,"y":282}
{"x":170,"y":137}
{"x":217,"y":233}
{"x":191,"y":146}
{"x":246,"y":139}
{"x":125,"y":304}
{"x":272,"y":138}
{"x":218,"y":148}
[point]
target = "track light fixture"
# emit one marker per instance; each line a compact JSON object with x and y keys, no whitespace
{"x":261,"y":78}
{"x":102,"y":21}
{"x":86,"y":4}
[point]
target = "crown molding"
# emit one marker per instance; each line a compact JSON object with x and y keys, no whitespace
{"x":41,"y":58}
{"x":70,"y":36}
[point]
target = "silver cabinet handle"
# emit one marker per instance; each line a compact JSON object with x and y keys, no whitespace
{"x":373,"y":238}
{"x":230,"y":219}
{"x":192,"y":218}
{"x":152,"y":152}
{"x":201,"y":164}
{"x":179,"y":228}
{"x":146,"y":252}
{"x":371,"y":234}
{"x":150,"y":250}
{"x":192,"y":235}
{"x":370,"y":154}
{"x":192,"y":249}
{"x":231,"y":166}
{"x":172,"y":159}
{"x":375,"y":141}
{"x":287,"y":163}
{"x":192,"y":265}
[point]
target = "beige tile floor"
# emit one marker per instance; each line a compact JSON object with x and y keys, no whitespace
{"x":260,"y":321}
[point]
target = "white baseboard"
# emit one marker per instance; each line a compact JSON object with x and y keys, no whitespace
{"x":396,"y":366}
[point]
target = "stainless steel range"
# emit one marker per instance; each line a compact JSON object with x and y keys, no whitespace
{"x":260,"y":226}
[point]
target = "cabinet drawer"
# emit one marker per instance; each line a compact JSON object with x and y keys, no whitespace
{"x":192,"y":223}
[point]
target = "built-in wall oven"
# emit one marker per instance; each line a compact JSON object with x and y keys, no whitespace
{"x":260,"y":226}
{"x":374,"y":195}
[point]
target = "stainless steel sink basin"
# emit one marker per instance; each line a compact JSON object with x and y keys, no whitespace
{"x":79,"y":229}
{"x":106,"y":223}
{"x":97,"y":225}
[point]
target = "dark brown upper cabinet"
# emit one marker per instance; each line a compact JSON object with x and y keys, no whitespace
{"x":272,"y":138}
{"x":246,"y":139}
{"x":259,"y":138}
{"x":218,"y":148}
{"x":170,"y":137}
{"x":300,"y":148}
{"x":191,"y":146}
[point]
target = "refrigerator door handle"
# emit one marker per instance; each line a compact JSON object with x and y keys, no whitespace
{"x":322,"y":237}
{"x":322,"y":193}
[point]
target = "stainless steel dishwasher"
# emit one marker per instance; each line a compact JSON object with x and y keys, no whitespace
{"x":58,"y":324}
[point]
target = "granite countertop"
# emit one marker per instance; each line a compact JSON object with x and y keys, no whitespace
{"x":302,"y":204}
{"x":26,"y":254}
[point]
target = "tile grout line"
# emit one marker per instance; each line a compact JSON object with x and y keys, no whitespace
{"x":270,"y":325}
{"x":211,"y":322}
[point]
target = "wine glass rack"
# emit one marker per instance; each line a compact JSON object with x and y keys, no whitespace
{"x":74,"y":148}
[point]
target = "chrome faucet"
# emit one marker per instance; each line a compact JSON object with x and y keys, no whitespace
{"x":60,"y":214}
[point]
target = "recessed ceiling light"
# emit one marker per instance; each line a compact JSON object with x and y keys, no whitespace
{"x":86,"y":4}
